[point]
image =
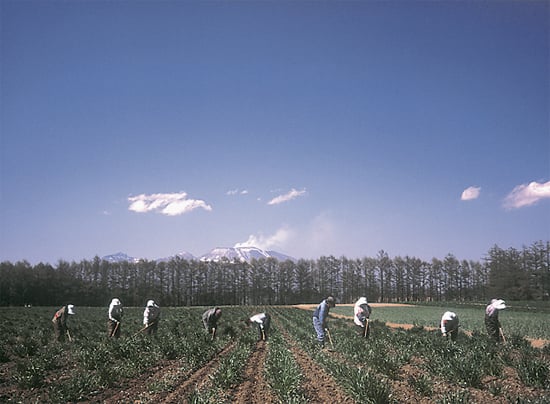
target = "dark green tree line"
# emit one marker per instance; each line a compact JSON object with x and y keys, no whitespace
{"x":511,"y":274}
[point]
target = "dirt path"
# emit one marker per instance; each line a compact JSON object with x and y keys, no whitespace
{"x":254,"y":388}
{"x":318,"y":385}
{"x":195,"y":380}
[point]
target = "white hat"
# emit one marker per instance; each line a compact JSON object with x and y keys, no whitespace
{"x":362,"y":300}
{"x":115,"y":302}
{"x":150,"y":303}
{"x":70,"y":309}
{"x":498,"y":304}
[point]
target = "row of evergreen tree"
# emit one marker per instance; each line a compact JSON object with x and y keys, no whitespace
{"x":511,"y":274}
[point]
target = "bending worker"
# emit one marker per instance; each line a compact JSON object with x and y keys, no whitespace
{"x":210,"y":320}
{"x":449,"y":325}
{"x":361,"y":314}
{"x":59,"y":321}
{"x":492,"y":322}
{"x":151,"y":317}
{"x":115,"y":318}
{"x":320,"y":316}
{"x":263,"y":321}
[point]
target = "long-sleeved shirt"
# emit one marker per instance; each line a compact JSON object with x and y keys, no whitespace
{"x":321,"y":312}
{"x":60,"y":316}
{"x":258,"y":318}
{"x":151,"y":314}
{"x":209,"y":318}
{"x":115,"y":312}
{"x":449,"y":322}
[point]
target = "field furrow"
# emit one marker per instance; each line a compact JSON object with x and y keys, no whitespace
{"x":318,"y":386}
{"x":182,"y":363}
{"x":254,"y":388}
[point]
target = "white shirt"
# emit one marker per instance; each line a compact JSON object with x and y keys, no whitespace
{"x":258,"y":318}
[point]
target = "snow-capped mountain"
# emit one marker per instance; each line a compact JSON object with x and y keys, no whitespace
{"x":183,"y":255}
{"x":119,"y":257}
{"x":241,"y":254}
{"x":234,"y":254}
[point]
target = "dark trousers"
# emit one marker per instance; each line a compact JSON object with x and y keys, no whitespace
{"x":266,"y":324}
{"x":493,"y":327}
{"x":59,"y":330}
{"x":113,"y":328}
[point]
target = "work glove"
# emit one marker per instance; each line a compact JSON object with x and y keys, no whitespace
{"x":444,"y":334}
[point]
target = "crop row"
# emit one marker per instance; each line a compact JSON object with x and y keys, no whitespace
{"x":369,"y":368}
{"x":35,"y":368}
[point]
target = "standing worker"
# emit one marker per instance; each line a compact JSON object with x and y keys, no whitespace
{"x":210,"y":320}
{"x":151,"y":317}
{"x":449,"y":325}
{"x":492,"y":322}
{"x":320,"y":315}
{"x":115,"y":318}
{"x":361,"y":314}
{"x":263,"y":320}
{"x":59,"y":321}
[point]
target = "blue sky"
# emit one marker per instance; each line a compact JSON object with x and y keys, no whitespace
{"x":308,"y":127}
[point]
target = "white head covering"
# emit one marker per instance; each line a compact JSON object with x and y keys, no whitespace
{"x":362,"y":300}
{"x":498,"y":304}
{"x":151,"y":303}
{"x":448,"y":315}
{"x":115,"y":302}
{"x":70,"y":309}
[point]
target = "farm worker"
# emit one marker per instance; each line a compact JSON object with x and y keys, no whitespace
{"x":449,"y":325}
{"x":361,"y":314}
{"x":263,"y":321}
{"x":492,"y":322}
{"x":320,"y":315}
{"x":59,"y":321}
{"x":151,"y":317}
{"x":210,"y":320}
{"x":115,"y":317}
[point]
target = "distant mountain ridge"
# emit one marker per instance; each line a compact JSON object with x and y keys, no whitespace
{"x":232,"y":254}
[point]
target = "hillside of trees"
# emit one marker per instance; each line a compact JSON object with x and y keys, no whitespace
{"x":511,"y":274}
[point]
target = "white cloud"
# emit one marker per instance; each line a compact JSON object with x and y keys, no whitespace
{"x":167,"y":204}
{"x":470,"y":193}
{"x":277,"y":240}
{"x":236,"y":192}
{"x":292,"y":194}
{"x":526,"y":195}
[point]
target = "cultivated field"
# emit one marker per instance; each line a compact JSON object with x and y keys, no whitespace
{"x":182,"y":363}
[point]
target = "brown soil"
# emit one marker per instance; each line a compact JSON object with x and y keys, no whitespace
{"x":318,"y":385}
{"x":168,"y":373}
{"x":196,"y":380}
{"x":172,"y":382}
{"x":402,"y":389}
{"x":254,"y":388}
